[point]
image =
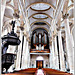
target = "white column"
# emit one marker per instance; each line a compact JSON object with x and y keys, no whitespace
{"x":56,"y":54}
{"x":3,"y":4}
{"x":51,"y":62}
{"x":53,"y":55}
{"x":18,"y":60}
{"x":29,"y":61}
{"x":69,"y":44}
{"x":24,"y":55}
{"x":28,"y":55}
{"x":61,"y":52}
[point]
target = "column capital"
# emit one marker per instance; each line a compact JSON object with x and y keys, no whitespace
{"x":65,"y":16}
{"x":28,"y":39}
{"x":50,"y":42}
{"x":59,"y":28}
{"x":54,"y":35}
{"x":16,"y":15}
{"x":22,"y":28}
{"x":25,"y":33}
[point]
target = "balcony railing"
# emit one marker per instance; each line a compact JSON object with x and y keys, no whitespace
{"x":39,"y":51}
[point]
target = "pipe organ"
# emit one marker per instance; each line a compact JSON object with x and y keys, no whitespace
{"x":40,"y":40}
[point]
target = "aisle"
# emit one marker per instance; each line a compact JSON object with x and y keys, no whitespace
{"x":40,"y":72}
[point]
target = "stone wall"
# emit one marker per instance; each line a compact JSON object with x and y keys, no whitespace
{"x":33,"y":60}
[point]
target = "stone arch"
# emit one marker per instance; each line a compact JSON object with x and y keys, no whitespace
{"x":40,"y":27}
{"x":41,"y":13}
{"x":40,"y":21}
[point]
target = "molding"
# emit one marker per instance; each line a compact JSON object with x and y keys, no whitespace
{"x":40,"y":53}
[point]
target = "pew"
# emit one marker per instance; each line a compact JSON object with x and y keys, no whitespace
{"x":17,"y":74}
{"x":29,"y":71}
{"x":48,"y":71}
{"x":33,"y":71}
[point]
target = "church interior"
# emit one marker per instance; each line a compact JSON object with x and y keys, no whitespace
{"x":37,"y":37}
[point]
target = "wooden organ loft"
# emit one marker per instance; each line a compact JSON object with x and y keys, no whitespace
{"x":39,"y":41}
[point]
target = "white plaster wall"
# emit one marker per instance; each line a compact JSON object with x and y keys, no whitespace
{"x":33,"y":60}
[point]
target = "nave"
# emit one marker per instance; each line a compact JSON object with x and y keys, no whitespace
{"x":37,"y":37}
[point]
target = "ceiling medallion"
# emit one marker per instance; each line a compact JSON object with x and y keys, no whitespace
{"x":40,"y":7}
{"x":40,"y":16}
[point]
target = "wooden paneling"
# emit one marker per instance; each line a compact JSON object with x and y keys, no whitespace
{"x":39,"y":64}
{"x":37,"y":51}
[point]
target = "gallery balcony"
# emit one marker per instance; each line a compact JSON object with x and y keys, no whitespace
{"x":39,"y":51}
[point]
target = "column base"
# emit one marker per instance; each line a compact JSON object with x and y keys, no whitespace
{"x":18,"y":69}
{"x":64,"y":70}
{"x":22,"y":68}
{"x":72,"y":71}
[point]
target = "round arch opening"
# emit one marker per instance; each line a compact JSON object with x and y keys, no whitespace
{"x":39,"y":58}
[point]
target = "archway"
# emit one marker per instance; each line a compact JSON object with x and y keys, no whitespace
{"x":39,"y":62}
